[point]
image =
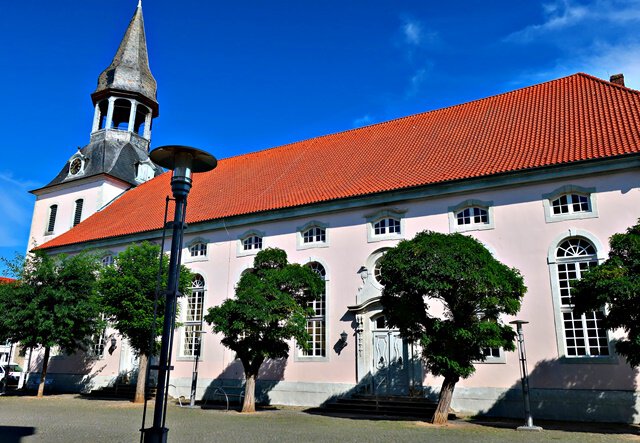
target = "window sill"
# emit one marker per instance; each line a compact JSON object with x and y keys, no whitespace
{"x":309,"y":358}
{"x":196,"y":259}
{"x":606,"y":360}
{"x":566,"y":217}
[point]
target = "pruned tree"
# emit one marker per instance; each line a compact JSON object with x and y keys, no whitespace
{"x":473,"y":289}
{"x":615,"y":284}
{"x":128,"y":289}
{"x":53,"y":303}
{"x":271,"y":307}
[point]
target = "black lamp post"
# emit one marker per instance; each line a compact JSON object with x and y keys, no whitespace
{"x":524,"y":374}
{"x":183,"y":160}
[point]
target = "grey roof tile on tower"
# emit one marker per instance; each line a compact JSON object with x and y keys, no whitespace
{"x":112,"y":157}
{"x":129,"y":70}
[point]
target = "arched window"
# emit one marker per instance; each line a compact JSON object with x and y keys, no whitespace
{"x":584,"y":335}
{"x":570,"y":204}
{"x":121,"y":113}
{"x":107,"y":260}
{"x":385,"y":226}
{"x":472,"y":216}
{"x":252,"y":242}
{"x":198,"y":249}
{"x":77,"y":213}
{"x":316,"y":324}
{"x":314,"y":235}
{"x":377,"y":272}
{"x":194,"y":302}
{"x":51,"y":225}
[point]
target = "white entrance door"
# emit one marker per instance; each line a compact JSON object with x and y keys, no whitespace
{"x":389,"y":365}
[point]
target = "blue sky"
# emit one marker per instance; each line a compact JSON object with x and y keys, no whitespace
{"x":236,"y":77}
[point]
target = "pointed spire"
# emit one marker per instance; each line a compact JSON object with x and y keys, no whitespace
{"x":129,"y":71}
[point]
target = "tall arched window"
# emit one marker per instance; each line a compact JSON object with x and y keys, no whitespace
{"x":316,"y":324}
{"x":583,"y":334}
{"x":193,"y":317}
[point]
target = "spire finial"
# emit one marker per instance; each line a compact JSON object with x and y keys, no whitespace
{"x":139,"y":3}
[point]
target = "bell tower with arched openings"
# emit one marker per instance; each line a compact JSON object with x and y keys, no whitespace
{"x":117,"y":156}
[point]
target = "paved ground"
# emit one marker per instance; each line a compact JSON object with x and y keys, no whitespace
{"x":67,"y":418}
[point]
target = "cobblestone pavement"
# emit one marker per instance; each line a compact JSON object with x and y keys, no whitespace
{"x":68,"y":418}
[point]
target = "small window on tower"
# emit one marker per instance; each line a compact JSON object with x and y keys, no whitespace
{"x":53,"y":211}
{"x":77,"y":215}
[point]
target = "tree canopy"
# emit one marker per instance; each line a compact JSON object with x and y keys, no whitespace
{"x":616,"y":284}
{"x":54,"y":302}
{"x":128,"y":289}
{"x":456,"y":274}
{"x":271,"y":307}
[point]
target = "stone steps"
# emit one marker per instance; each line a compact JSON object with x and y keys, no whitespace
{"x":389,"y":406}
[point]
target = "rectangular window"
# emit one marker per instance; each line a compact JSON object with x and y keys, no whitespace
{"x":53,"y":211}
{"x":584,"y":334}
{"x":193,"y":322}
{"x":77,"y":216}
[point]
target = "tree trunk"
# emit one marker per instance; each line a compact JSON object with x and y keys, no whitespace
{"x":142,"y":379}
{"x":441,"y":416}
{"x":249,"y":404}
{"x":43,"y":375}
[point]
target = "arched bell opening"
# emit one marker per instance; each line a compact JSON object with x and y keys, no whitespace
{"x":121,"y":114}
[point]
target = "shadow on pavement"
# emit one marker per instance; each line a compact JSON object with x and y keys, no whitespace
{"x":14,"y":434}
{"x":567,"y":426}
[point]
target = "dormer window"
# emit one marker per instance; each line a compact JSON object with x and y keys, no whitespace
{"x":250,"y":243}
{"x":570,"y":203}
{"x":385,"y":225}
{"x":471,"y":215}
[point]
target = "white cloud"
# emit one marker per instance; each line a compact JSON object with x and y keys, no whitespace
{"x":595,"y":16}
{"x":601,"y":60}
{"x":412,"y":31}
{"x":16,"y":205}
{"x":362,"y":121}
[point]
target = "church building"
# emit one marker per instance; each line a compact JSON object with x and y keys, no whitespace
{"x":542,"y":176}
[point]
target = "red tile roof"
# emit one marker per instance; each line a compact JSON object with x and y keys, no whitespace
{"x":6,"y":280}
{"x":575,"y":118}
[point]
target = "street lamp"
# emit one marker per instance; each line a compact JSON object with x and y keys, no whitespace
{"x":524,"y":375}
{"x":184,"y":161}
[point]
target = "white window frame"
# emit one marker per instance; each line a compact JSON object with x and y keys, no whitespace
{"x":107,"y":259}
{"x":560,"y":309}
{"x":188,"y":258}
{"x":197,"y":324}
{"x":301,"y":230}
{"x":98,"y":345}
{"x":471,"y":203}
{"x":547,"y":200}
{"x":240,"y":251}
{"x":372,"y":219}
{"x":299,"y":355}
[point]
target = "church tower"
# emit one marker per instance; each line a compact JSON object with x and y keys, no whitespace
{"x":117,"y":156}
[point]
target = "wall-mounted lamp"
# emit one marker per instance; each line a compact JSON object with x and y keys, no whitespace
{"x":363,"y":272}
{"x":113,"y":346}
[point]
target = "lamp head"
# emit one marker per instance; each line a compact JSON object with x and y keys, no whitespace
{"x":183,"y":160}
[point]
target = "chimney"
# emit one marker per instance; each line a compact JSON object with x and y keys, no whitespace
{"x":617,"y":79}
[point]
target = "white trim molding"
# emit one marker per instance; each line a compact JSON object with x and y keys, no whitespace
{"x":300,"y":244}
{"x":471,"y":203}
{"x":240,"y":251}
{"x":397,"y":214}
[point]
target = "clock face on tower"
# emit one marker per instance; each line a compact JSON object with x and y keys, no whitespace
{"x":75,"y":166}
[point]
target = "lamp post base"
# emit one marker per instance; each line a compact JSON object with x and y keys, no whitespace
{"x":529,"y":428}
{"x":155,"y":435}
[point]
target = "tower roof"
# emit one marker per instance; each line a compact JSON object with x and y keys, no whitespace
{"x":129,"y":70}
